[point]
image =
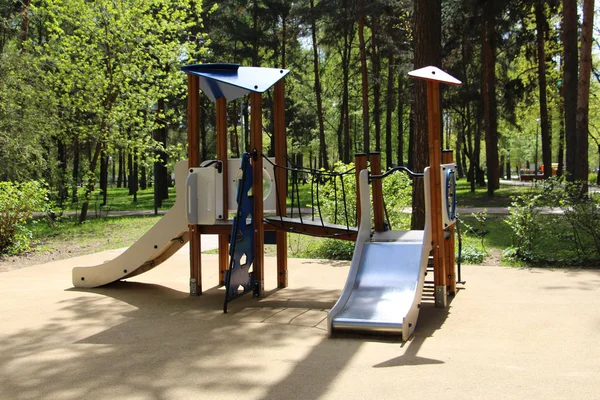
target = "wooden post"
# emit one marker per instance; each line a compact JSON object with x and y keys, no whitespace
{"x":360,"y":163}
{"x":435,"y":149}
{"x":280,"y":179}
{"x":434,"y":76}
{"x":256,"y":146}
{"x":221,"y":130}
{"x":377,"y":188}
{"x":194,"y":161}
{"x":447,"y":158}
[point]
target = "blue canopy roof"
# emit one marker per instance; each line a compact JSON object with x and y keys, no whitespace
{"x":232,"y":81}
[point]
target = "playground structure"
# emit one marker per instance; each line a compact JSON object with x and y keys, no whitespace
{"x":375,"y":297}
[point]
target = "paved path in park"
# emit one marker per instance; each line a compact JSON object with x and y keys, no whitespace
{"x":508,"y":334}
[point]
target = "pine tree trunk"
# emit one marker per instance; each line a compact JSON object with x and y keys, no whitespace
{"x":104,"y":176}
{"x":388,"y":112}
{"x":569,"y":37}
{"x":25,"y":22}
{"x":428,"y":38}
{"x":120,"y":172}
{"x":376,"y":80}
{"x":541,"y":29}
{"x":63,"y":191}
{"x":583,"y":96}
{"x":75,"y":176}
{"x":161,"y":175}
{"x":365,"y":77}
{"x":346,"y":57}
{"x":561,"y":132}
{"x":400,"y":117}
{"x":143,"y":177}
{"x":488,"y":34}
{"x":322,"y":144}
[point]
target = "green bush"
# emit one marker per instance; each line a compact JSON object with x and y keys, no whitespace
{"x":472,"y":255}
{"x":570,"y":238}
{"x":18,"y":201}
{"x":333,"y":249}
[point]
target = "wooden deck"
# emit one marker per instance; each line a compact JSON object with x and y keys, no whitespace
{"x":312,"y":228}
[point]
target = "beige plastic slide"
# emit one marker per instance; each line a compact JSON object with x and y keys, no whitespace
{"x":167,"y":236}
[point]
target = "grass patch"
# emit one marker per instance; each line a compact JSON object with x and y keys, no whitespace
{"x":502,"y":197}
{"x":483,"y":237}
{"x":118,"y":199}
{"x":93,"y":235}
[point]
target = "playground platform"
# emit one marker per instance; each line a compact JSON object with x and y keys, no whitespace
{"x":510,"y":334}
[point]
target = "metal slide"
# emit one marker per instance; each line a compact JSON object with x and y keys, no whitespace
{"x":385,"y":282}
{"x":167,"y":236}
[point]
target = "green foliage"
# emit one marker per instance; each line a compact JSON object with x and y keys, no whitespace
{"x":18,"y":201}
{"x":472,"y":255}
{"x":337,"y":190}
{"x":397,"y":196}
{"x":572,"y":237}
{"x":333,"y":249}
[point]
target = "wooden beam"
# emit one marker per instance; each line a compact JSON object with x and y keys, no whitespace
{"x":377,"y":188}
{"x":221,"y":133}
{"x":256,"y":146}
{"x":280,"y":179}
{"x":193,"y":118}
{"x":435,"y":149}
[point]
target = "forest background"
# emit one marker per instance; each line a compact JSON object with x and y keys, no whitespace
{"x":91,"y":92}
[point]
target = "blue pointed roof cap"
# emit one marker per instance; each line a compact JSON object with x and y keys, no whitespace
{"x":233,"y":81}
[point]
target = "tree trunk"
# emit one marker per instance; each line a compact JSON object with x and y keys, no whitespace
{"x":104,"y":176}
{"x":203,"y":131}
{"x":569,"y":37}
{"x":561,"y":131}
{"x":388,"y":112}
{"x":75,"y":176}
{"x":583,"y":96}
{"x":400,"y":117}
{"x":488,"y":33}
{"x":234,"y":138}
{"x":91,"y":176}
{"x":376,"y":81}
{"x":63,"y":191}
{"x":428,"y":38}
{"x":346,"y":57}
{"x":135,"y":175}
{"x":120,"y":171}
{"x":143,"y":177}
{"x":161,"y":175}
{"x":113,"y":172}
{"x":323,"y":161}
{"x":541,"y":29}
{"x":130,"y":173}
{"x":460,"y":137}
{"x":479,"y":173}
{"x":25,"y":22}
{"x":365,"y":77}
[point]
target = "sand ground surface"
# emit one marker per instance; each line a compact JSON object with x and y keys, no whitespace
{"x":508,"y":334}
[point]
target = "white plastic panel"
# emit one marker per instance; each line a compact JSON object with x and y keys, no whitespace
{"x":201,"y":196}
{"x":235,"y":173}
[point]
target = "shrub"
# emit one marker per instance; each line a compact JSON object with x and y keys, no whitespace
{"x":571,"y":238}
{"x":18,"y":201}
{"x":334,"y":249}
